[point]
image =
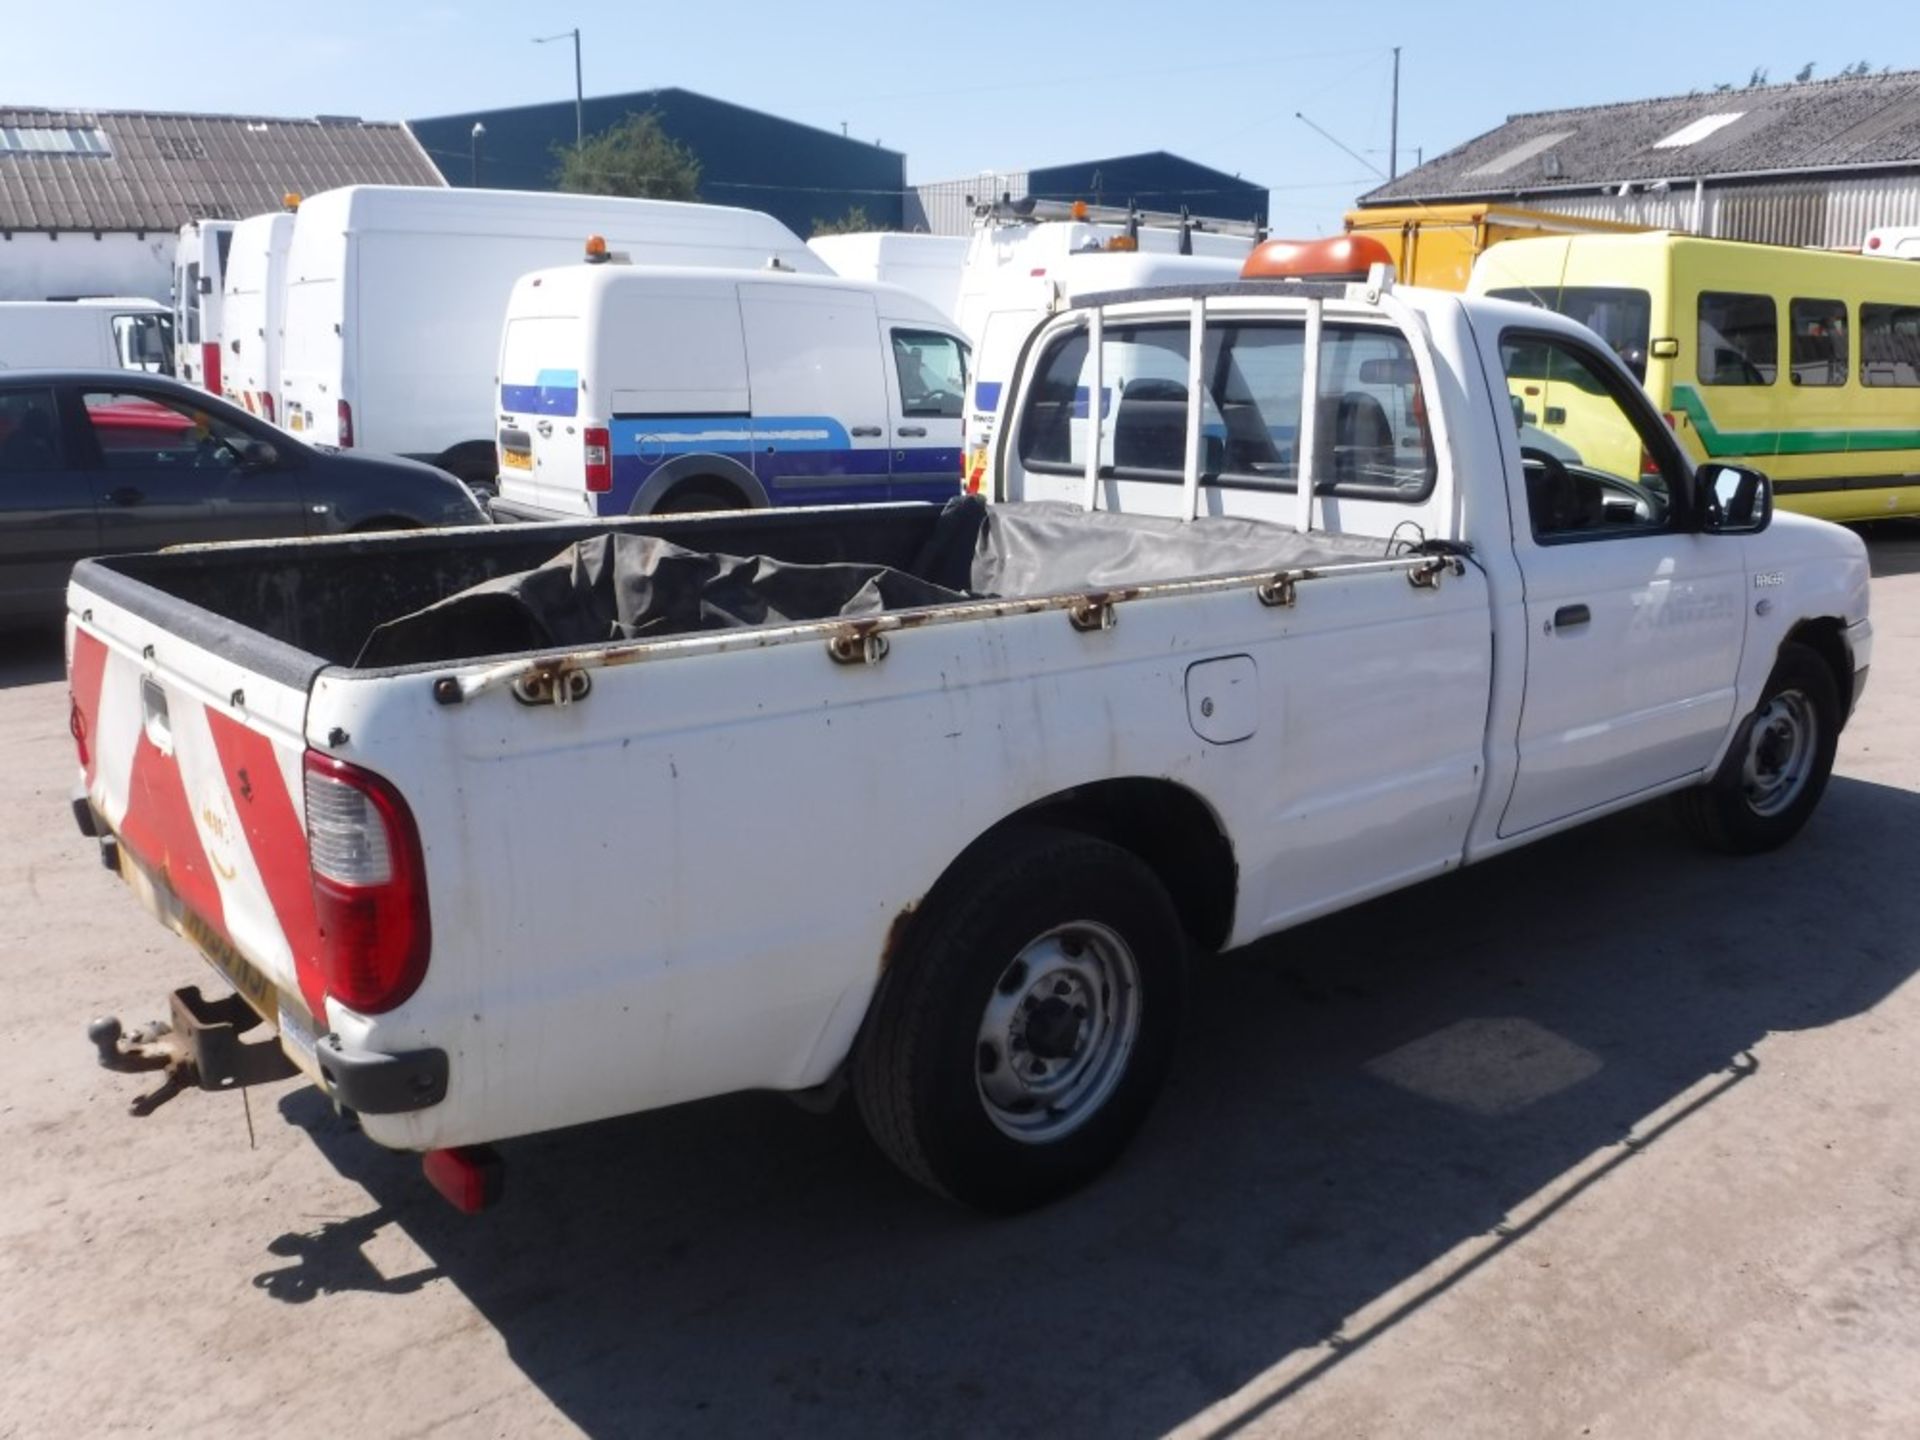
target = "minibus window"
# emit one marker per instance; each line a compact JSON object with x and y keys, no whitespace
{"x":1819,"y":340}
{"x":1739,"y":339}
{"x":1890,"y":345}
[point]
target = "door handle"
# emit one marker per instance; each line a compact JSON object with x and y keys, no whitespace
{"x":126,"y":495}
{"x":911,"y":430}
{"x":860,"y":430}
{"x":1569,"y":616}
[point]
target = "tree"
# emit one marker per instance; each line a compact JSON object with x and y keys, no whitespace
{"x":1757,"y":78}
{"x":1803,"y":74}
{"x":635,"y":157}
{"x":854,"y":222}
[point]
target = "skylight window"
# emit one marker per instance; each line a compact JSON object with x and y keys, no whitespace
{"x":52,"y":140}
{"x":1521,"y":153}
{"x":1695,"y":131}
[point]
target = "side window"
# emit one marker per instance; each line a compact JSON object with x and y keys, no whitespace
{"x":1890,"y":345}
{"x":1739,"y":339}
{"x":144,"y":342}
{"x":1818,"y":337}
{"x":1143,"y":400}
{"x":190,"y":303}
{"x":1595,"y":477}
{"x":145,"y":432}
{"x":29,"y":432}
{"x":933,"y":374}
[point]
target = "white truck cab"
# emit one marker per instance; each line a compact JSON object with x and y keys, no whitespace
{"x":1896,"y":242}
{"x":252,"y":310}
{"x":636,"y":389}
{"x":199,"y":278}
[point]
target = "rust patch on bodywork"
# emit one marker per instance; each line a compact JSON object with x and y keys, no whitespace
{"x":897,"y":934}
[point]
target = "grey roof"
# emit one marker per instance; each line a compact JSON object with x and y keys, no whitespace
{"x":1841,"y":124}
{"x":160,"y":171}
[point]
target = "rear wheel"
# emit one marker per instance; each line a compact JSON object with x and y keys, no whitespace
{"x":700,"y":497}
{"x":1024,"y":1028}
{"x":1777,"y":767}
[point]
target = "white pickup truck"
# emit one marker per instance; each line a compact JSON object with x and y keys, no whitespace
{"x":509,"y":830}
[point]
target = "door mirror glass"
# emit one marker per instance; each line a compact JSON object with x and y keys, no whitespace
{"x":258,"y":455}
{"x":1734,"y":500}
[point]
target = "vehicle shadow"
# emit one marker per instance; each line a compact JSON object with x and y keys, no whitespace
{"x":1357,"y":1097}
{"x":1893,"y":547}
{"x":31,"y":655}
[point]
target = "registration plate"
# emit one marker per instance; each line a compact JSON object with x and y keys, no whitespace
{"x":515,"y":460}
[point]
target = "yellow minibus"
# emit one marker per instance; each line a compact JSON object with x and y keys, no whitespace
{"x":1803,"y":363}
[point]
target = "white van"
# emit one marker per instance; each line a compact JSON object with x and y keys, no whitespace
{"x":395,"y":296}
{"x":199,"y":275}
{"x":103,"y":333}
{"x":1895,"y":242}
{"x":1009,"y":312}
{"x":929,"y":266}
{"x":251,"y":312}
{"x":631,"y":389}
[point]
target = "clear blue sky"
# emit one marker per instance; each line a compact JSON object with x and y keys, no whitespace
{"x":963,"y":86}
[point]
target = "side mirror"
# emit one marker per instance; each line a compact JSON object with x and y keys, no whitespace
{"x":258,"y":455}
{"x":1519,"y":411}
{"x":1733,"y":499}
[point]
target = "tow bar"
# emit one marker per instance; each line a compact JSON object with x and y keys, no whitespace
{"x":200,"y":1045}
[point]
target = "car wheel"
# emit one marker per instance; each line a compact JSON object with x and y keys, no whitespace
{"x":1778,"y":765}
{"x":1022,"y":1032}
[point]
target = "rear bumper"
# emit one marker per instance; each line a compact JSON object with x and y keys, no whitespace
{"x":507,"y":512}
{"x":375,"y":1084}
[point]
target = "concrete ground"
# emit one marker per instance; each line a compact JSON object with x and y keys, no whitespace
{"x":1607,"y":1138}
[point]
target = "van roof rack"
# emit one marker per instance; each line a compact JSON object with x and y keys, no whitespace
{"x":1031,"y":210}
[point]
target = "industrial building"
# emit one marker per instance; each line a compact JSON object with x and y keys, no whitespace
{"x":1817,"y":163}
{"x":1152,"y":181}
{"x":90,"y":200}
{"x":797,"y":173}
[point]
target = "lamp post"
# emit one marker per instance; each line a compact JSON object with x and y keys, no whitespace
{"x":579,"y":93}
{"x":477,"y":134}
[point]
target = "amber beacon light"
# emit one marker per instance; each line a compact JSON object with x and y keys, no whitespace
{"x":1338,"y":257}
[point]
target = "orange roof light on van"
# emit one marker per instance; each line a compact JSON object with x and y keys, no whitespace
{"x":291,"y":200}
{"x":1079,"y":209}
{"x":596,"y":249}
{"x":1338,"y":257}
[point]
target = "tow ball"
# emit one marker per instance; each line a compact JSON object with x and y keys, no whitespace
{"x":200,"y":1045}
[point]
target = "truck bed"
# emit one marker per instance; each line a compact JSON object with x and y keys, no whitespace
{"x":291,"y":608}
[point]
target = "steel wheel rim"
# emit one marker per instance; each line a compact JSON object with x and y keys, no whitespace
{"x":1057,"y":1032}
{"x":1781,"y":744}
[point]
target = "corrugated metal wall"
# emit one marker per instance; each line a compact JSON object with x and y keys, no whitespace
{"x":940,"y":207}
{"x":1833,"y":214}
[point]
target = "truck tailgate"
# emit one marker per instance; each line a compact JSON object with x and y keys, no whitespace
{"x":192,"y":761}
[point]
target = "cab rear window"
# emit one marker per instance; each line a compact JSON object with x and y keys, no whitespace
{"x":539,"y":359}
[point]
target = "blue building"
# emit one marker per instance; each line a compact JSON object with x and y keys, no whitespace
{"x":797,"y":173}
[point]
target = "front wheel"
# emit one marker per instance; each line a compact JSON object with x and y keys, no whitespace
{"x":1777,"y":767}
{"x":1021,"y":1034}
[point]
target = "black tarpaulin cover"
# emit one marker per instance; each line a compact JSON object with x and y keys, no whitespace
{"x":630,"y":587}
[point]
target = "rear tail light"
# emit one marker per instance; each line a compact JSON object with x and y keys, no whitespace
{"x":369,"y":886}
{"x":210,"y":368}
{"x":266,"y":406}
{"x":346,"y":426}
{"x":597,"y":450}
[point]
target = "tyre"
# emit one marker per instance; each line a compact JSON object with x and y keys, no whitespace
{"x":1777,"y":767}
{"x":1026,"y":1023}
{"x":700,"y":497}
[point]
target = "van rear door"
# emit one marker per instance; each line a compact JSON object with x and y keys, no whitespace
{"x":541,"y":430}
{"x":820,"y":406}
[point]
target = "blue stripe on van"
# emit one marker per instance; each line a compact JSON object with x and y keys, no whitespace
{"x":800,"y":459}
{"x":553,"y":392}
{"x":986,"y":395}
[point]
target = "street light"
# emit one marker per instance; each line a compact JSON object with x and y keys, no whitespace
{"x":579,"y":94}
{"x":478,"y":134}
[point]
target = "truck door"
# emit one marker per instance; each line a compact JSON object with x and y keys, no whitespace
{"x":927,"y":390}
{"x":820,"y":407}
{"x":1634,"y":623}
{"x":47,"y":518}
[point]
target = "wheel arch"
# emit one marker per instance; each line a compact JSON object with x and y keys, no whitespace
{"x":684,"y":468}
{"x":1826,"y":636}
